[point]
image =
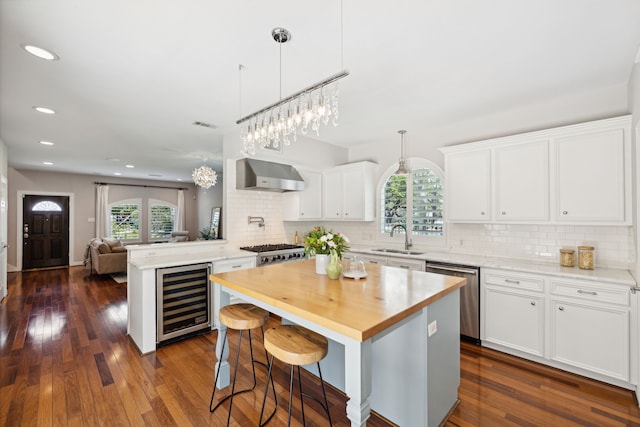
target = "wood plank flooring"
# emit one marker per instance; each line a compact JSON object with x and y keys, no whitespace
{"x":65,"y":359}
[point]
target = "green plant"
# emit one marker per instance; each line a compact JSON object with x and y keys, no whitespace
{"x":205,"y":233}
{"x":321,"y":241}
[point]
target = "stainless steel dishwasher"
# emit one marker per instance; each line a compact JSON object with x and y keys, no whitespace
{"x":469,"y":296}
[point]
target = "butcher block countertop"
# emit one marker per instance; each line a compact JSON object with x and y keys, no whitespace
{"x":358,"y":309}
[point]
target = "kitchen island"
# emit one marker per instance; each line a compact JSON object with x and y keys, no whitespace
{"x":394,"y":335}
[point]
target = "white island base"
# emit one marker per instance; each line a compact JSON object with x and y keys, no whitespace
{"x":415,"y":377}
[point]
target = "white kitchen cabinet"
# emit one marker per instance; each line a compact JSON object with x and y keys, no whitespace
{"x":514,"y":320}
{"x":579,"y":174}
{"x":512,"y":311}
{"x":468,"y":186}
{"x":230,"y":264}
{"x":582,"y":326}
{"x":592,"y":172}
{"x":409,"y":264}
{"x":590,"y":327}
{"x":348,"y":192}
{"x":521,"y":178}
{"x":373,"y":259}
{"x":305,"y":205}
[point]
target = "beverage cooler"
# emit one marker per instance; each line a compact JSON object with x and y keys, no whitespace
{"x":183,"y":300}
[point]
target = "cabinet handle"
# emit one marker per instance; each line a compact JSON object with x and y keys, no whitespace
{"x":236,"y":266}
{"x":404,"y":266}
{"x":564,"y":212}
{"x":503,"y":213}
{"x":515,"y":282}
{"x":373,"y":262}
{"x":580,"y":291}
{"x":561,"y":308}
{"x":533,"y":303}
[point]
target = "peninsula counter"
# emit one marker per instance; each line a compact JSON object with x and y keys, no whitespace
{"x":394,"y":334}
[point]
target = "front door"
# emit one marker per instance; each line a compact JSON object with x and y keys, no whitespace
{"x":45,"y":231}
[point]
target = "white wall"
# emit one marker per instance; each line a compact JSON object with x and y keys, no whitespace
{"x":634,"y":107}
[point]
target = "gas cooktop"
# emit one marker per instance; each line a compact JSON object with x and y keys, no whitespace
{"x":271,"y":247}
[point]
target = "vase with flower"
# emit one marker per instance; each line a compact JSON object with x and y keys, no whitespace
{"x":323,"y":243}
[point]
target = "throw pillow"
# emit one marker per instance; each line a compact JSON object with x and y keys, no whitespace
{"x":103,"y":248}
{"x":117,"y":249}
{"x":113,"y":243}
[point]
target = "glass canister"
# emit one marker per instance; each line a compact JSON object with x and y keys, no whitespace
{"x":586,"y":257}
{"x":567,"y":257}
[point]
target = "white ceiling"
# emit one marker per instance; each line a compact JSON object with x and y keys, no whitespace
{"x":133,"y":76}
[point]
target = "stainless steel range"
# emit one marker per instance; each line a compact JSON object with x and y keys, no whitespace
{"x":273,"y":254}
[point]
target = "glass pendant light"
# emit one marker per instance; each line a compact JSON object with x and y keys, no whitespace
{"x":402,"y":168}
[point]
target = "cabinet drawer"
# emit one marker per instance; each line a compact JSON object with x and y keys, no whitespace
{"x":514,"y":280}
{"x":592,"y":292}
{"x":233,"y":264}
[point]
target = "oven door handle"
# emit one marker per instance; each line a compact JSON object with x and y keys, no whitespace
{"x":453,"y":269}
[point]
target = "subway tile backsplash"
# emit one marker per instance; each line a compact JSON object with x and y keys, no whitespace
{"x":614,"y":244}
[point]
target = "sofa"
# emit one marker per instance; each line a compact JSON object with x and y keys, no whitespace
{"x":107,"y":256}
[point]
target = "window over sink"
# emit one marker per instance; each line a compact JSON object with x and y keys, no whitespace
{"x":415,"y":201}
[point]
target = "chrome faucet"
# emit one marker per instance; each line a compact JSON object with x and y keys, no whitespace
{"x":407,"y":242}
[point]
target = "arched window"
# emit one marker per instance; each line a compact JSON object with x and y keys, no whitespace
{"x":162,"y":217}
{"x":47,"y":206}
{"x":124,"y":221}
{"x":414,"y":201}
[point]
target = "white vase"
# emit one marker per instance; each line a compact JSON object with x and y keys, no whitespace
{"x":321,"y":263}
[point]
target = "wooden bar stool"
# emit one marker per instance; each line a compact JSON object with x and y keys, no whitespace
{"x":296,"y":346}
{"x":241,"y":317}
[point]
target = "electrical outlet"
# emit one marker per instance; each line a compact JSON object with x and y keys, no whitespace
{"x":433,"y":327}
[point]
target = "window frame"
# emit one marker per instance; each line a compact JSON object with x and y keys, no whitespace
{"x":417,"y":239}
{"x":158,"y":202}
{"x":134,"y":201}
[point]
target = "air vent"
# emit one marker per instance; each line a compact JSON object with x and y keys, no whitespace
{"x":205,"y":125}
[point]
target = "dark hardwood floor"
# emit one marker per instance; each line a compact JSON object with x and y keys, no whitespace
{"x":65,"y":359}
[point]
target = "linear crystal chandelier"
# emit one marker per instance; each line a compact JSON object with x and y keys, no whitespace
{"x":279,"y":123}
{"x":204,"y":176}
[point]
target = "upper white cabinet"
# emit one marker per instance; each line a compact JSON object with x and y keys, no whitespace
{"x":348,"y":192}
{"x":468,"y":194}
{"x":591,"y":172}
{"x":305,"y":204}
{"x":522,"y":182}
{"x":579,"y":174}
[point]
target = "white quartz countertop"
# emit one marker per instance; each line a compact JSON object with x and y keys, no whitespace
{"x":609,"y":275}
{"x":161,"y":258}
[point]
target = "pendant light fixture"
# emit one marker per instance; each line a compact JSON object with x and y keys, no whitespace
{"x":308,"y":109}
{"x":402,"y":168}
{"x":204,"y":177}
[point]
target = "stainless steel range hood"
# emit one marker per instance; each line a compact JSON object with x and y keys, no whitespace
{"x":252,"y":174}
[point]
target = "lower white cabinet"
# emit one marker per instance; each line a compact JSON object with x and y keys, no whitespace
{"x":508,"y":314}
{"x":582,"y":326}
{"x":409,"y":264}
{"x":230,"y":264}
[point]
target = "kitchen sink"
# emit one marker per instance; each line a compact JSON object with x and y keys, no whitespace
{"x":397,"y":251}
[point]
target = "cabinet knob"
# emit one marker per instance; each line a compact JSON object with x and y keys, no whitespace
{"x":503,"y":213}
{"x":346,"y":213}
{"x":561,"y":308}
{"x":482,"y":213}
{"x":337,"y":213}
{"x":565,"y":212}
{"x":301,"y":213}
{"x":533,"y":303}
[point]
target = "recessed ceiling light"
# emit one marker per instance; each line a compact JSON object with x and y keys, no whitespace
{"x":155,"y":175}
{"x":112,"y":159}
{"x":44,"y":110}
{"x":129,"y":166}
{"x":179,"y":179}
{"x":40,"y":52}
{"x":117,"y":173}
{"x":47,"y":163}
{"x":46,"y":143}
